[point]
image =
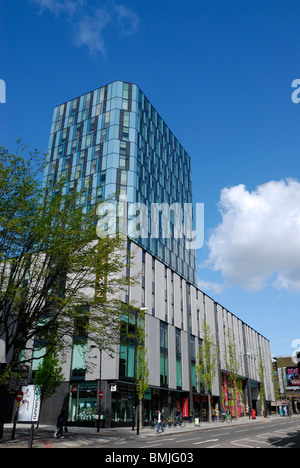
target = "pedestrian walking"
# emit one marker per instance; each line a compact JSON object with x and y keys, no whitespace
{"x":60,"y":426}
{"x":160,"y":422}
{"x":177,"y":416}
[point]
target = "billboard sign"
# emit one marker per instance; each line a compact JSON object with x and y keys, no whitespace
{"x":29,"y":409}
{"x":292,"y":377}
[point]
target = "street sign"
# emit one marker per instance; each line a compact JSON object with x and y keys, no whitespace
{"x":100,"y":394}
{"x":24,"y":372}
{"x":19,"y":396}
{"x":23,"y":378}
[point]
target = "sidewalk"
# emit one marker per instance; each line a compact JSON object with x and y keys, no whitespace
{"x":79,"y":435}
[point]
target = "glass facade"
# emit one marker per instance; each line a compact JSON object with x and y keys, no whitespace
{"x":128,"y":347}
{"x":114,"y":143}
{"x":178,"y":359}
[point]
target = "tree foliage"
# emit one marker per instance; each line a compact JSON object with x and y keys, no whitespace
{"x":49,"y":376}
{"x":53,"y":268}
{"x":261,"y":374}
{"x":207,"y":363}
{"x":233,"y":361}
{"x":142,"y":369}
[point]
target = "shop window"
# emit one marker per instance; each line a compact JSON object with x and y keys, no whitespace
{"x":122,"y":409}
{"x":83,"y":402}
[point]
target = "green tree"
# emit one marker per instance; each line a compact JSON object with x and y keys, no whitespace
{"x":141,"y":364}
{"x":261,"y":374}
{"x":53,"y":267}
{"x":49,"y":376}
{"x":233,"y":362}
{"x":281,"y":369}
{"x":276,"y":386}
{"x":207,"y":362}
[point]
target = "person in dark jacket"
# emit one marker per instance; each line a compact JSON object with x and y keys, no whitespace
{"x":60,"y":426}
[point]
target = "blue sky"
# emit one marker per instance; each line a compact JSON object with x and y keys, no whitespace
{"x":220,"y":74}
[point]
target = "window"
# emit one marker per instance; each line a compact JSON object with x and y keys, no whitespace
{"x":128,"y":347}
{"x":126,"y":91}
{"x":193,"y":361}
{"x":106,"y":119}
{"x":178,"y":360}
{"x":92,"y":125}
{"x":198,"y":321}
{"x":163,"y":354}
{"x":123,"y":178}
{"x":126,"y":119}
{"x":93,"y":167}
{"x":83,"y":402}
{"x":102,"y":94}
{"x":172,"y":297}
{"x":88,"y":100}
{"x":122,"y":164}
{"x":88,"y":141}
{"x":102,"y":177}
{"x":124,"y":125}
{"x":143,"y":276}
{"x":78,"y":367}
{"x":153,"y":286}
{"x":127,"y":356}
{"x":97,"y":153}
{"x":39,"y":350}
{"x":103,"y":135}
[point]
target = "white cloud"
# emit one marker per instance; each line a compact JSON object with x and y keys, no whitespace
{"x":258,"y":241}
{"x":127,"y":20}
{"x":89,"y":31}
{"x":57,"y":7}
{"x":88,"y":23}
{"x":215,"y":288}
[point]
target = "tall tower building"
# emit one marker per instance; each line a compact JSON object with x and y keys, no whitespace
{"x":114,"y":142}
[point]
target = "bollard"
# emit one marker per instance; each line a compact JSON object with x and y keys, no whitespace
{"x":31,"y":436}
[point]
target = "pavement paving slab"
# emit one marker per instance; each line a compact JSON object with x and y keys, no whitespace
{"x":80,"y":437}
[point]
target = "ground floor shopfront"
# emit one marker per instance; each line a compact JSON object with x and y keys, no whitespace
{"x":117,"y":407}
{"x":81,"y":405}
{"x":119,"y":402}
{"x":289,"y":405}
